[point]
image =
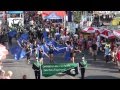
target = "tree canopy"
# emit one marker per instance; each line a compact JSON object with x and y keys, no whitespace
{"x":76,"y":16}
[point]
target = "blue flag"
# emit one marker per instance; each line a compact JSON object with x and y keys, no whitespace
{"x":60,"y":49}
{"x":18,"y":52}
{"x":24,"y":36}
{"x":67,"y":55}
{"x":12,"y":33}
{"x":45,"y":34}
{"x":14,"y":49}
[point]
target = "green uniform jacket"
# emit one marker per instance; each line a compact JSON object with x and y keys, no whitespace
{"x":36,"y":65}
{"x":83,"y":64}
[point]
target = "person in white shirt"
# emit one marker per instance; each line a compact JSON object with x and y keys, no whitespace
{"x":67,"y":38}
{"x":62,"y":37}
{"x":76,"y":36}
{"x":98,"y":38}
{"x":48,"y":31}
{"x":31,"y":22}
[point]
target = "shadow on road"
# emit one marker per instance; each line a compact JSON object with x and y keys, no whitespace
{"x":101,"y":77}
{"x":102,"y":64}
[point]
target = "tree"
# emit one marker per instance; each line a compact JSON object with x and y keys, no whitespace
{"x":76,"y":16}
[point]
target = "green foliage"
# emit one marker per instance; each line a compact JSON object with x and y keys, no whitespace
{"x":76,"y":16}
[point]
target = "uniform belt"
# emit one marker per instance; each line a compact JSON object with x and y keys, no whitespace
{"x":36,"y":70}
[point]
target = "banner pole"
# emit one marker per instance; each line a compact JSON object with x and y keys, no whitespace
{"x":40,"y":71}
{"x":78,"y":68}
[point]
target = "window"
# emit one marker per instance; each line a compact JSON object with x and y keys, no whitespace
{"x":14,"y":15}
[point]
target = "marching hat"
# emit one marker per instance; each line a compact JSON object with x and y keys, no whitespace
{"x":36,"y":58}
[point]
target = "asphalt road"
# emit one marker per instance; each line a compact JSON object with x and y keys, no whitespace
{"x":96,"y":69}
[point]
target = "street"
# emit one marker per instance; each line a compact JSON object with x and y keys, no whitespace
{"x":42,"y":34}
{"x":96,"y":69}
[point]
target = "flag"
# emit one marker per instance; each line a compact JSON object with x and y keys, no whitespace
{"x":18,"y":52}
{"x":12,"y":33}
{"x":45,"y":34}
{"x":22,"y":54}
{"x":14,"y":49}
{"x":60,"y":49}
{"x":67,"y":55}
{"x":24,"y":36}
{"x":46,"y":49}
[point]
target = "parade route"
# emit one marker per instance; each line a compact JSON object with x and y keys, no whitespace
{"x":96,"y":69}
{"x":58,"y":43}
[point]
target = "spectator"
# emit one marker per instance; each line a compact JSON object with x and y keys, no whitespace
{"x":94,"y":50}
{"x":1,"y":65}
{"x":2,"y":73}
{"x":24,"y":77}
{"x":118,"y":59}
{"x":107,"y":54}
{"x":8,"y":75}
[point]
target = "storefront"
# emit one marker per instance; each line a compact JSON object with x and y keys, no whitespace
{"x":15,"y":18}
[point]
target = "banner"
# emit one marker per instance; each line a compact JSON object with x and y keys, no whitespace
{"x":53,"y":69}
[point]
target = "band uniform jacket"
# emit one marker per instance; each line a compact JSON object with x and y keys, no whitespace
{"x":36,"y":66}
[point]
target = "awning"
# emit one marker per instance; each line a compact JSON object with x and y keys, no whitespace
{"x":14,"y":12}
{"x":53,"y":16}
{"x":58,"y":13}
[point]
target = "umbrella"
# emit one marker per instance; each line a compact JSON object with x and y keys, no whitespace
{"x":117,"y":33}
{"x":3,"y":52}
{"x":89,"y":30}
{"x":107,"y":34}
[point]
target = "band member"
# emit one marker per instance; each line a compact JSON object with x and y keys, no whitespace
{"x":73,"y":53}
{"x":34,"y":46}
{"x":36,"y":67}
{"x":41,"y":55}
{"x":28,"y":50}
{"x":51,"y":52}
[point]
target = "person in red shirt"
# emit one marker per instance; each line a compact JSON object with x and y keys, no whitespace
{"x":118,"y":58}
{"x":112,"y":46}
